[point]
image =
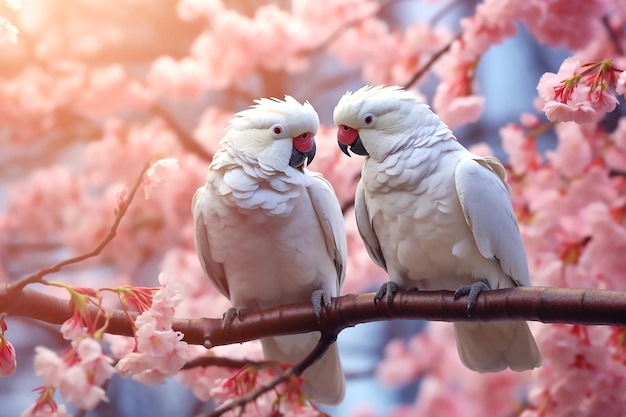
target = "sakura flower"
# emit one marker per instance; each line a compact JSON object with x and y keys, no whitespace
{"x":79,"y":374}
{"x":159,"y":350}
{"x":81,"y":381}
{"x":49,"y":366}
{"x":521,"y":148}
{"x":73,"y":328}
{"x":573,"y":153}
{"x":8,"y":362}
{"x":166,"y":299}
{"x":45,"y":406}
{"x":455,"y":104}
{"x":563,"y":22}
{"x":34,"y":411}
{"x":78,"y":390}
{"x":492,"y":22}
{"x":133,"y":363}
{"x":153,"y":342}
{"x":159,"y":174}
{"x":93,"y":359}
{"x":203,"y":380}
{"x":285,"y":399}
{"x":580,"y":93}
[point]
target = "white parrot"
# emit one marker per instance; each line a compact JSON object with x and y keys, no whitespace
{"x":268,"y":232}
{"x":436,"y":217}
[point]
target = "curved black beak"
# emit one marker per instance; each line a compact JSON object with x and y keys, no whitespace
{"x":356,"y":147}
{"x":344,"y":148}
{"x":298,"y":158}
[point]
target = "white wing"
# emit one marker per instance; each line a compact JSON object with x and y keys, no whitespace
{"x":365,"y":228}
{"x":330,"y":217}
{"x":484,"y":197}
{"x":214,"y":270}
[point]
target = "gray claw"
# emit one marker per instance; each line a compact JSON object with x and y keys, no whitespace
{"x":229,"y":316}
{"x":472,"y":292}
{"x":319,"y":298}
{"x":387,"y":291}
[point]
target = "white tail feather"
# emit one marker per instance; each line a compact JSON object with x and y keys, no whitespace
{"x":494,"y":346}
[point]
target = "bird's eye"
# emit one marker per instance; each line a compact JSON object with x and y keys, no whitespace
{"x":368,"y":118}
{"x":277,"y":130}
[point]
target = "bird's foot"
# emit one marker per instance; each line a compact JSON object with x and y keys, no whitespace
{"x":387,"y":291}
{"x":472,"y":292}
{"x":320,"y":299}
{"x":230,"y":314}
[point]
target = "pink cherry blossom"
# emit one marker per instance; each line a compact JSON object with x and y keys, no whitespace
{"x":521,"y":148}
{"x":49,"y":366}
{"x":159,"y":174}
{"x":159,"y":350}
{"x":575,"y":93}
{"x":77,"y":389}
{"x":456,"y":110}
{"x":46,"y":407}
{"x":553,"y":21}
{"x":8,"y":361}
{"x":285,"y":399}
{"x":492,"y":22}
{"x":79,"y":374}
{"x":203,"y":380}
{"x":573,"y":154}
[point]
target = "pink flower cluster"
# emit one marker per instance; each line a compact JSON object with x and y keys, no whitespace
{"x":284,"y":400}
{"x":159,"y":351}
{"x":580,"y":93}
{"x":447,"y":389}
{"x":584,"y":373}
{"x":79,"y":374}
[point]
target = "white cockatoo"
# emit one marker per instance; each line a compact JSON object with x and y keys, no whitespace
{"x":436,"y":217}
{"x":268,"y":232}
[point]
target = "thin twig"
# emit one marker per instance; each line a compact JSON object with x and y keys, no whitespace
{"x":434,"y":57}
{"x":347,"y":25}
{"x":441,"y":13}
{"x":612,"y":35}
{"x":37,"y":276}
{"x":326,"y":340}
{"x":186,"y":140}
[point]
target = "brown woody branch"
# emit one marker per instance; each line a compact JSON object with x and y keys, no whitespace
{"x":322,"y":346}
{"x":37,"y":277}
{"x":543,"y":304}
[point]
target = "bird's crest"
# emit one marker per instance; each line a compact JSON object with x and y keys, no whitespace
{"x":265,"y":110}
{"x":378,"y":92}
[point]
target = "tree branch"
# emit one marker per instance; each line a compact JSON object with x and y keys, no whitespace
{"x":543,"y":304}
{"x":326,"y":340}
{"x":219,"y":361}
{"x":37,"y":276}
{"x":186,"y":140}
{"x":434,"y":57}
